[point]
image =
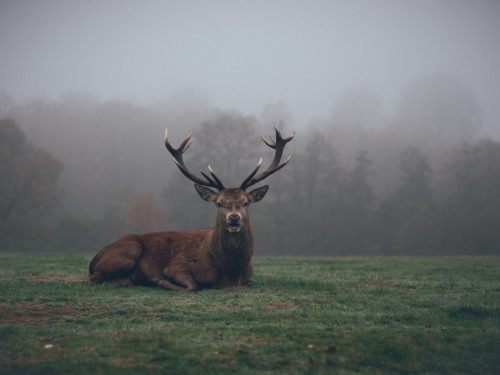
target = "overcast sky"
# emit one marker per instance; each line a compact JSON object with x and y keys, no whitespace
{"x":244,"y":54}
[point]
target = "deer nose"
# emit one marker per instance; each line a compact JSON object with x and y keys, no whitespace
{"x":234,"y":218}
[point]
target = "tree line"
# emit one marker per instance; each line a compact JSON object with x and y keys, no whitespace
{"x":78,"y":174}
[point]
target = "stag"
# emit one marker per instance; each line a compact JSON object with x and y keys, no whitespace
{"x":191,"y":260}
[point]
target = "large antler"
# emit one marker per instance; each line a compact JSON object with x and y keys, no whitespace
{"x":275,"y":166}
{"x":177,"y":154}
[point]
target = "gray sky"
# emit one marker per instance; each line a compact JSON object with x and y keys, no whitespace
{"x":244,"y":54}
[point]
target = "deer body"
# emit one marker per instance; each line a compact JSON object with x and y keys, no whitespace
{"x":172,"y":260}
{"x":187,"y":261}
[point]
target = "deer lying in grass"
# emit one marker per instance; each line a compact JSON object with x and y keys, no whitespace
{"x":203,"y":258}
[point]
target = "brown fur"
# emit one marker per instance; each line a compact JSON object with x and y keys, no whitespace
{"x":186,"y":261}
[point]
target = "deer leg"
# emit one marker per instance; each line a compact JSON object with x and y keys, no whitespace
{"x":182,"y":282}
{"x":115,"y":263}
{"x":246,"y":278}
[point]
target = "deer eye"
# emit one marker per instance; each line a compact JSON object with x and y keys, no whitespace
{"x":218,"y":204}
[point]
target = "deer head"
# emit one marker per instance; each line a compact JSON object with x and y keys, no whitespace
{"x":232,"y":203}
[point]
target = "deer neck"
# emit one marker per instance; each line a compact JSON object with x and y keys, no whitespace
{"x":232,"y":249}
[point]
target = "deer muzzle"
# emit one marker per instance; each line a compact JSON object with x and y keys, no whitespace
{"x":233,"y":222}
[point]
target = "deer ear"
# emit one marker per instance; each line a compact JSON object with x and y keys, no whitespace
{"x":257,"y":194}
{"x":205,"y":193}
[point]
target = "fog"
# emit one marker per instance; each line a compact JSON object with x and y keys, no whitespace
{"x":394,"y":104}
{"x":243,"y":55}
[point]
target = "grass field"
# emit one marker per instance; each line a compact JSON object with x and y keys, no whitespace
{"x":302,"y":316}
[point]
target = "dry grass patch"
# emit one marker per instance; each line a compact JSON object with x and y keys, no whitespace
{"x":35,"y":313}
{"x":47,"y":278}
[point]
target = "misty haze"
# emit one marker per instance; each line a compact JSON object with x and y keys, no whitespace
{"x":394,"y":105}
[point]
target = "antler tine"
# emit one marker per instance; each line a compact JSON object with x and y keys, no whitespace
{"x":177,"y":154}
{"x":215,"y":182}
{"x":272,"y":144}
{"x":219,"y":182}
{"x":278,"y":146}
{"x":245,"y":182}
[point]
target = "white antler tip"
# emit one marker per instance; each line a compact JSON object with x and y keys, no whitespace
{"x":166,"y":135}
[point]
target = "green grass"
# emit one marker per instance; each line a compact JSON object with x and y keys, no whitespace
{"x":302,"y":316}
